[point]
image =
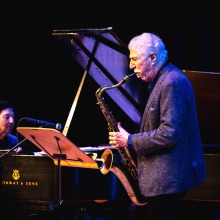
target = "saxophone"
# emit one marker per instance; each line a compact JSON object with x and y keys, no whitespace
{"x":125,"y":169}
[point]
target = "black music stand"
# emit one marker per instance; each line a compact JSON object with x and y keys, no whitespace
{"x":60,"y":149}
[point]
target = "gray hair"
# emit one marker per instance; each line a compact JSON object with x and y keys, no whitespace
{"x":147,"y":43}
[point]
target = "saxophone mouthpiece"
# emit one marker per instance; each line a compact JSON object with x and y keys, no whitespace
{"x":131,"y":75}
{"x":127,"y":77}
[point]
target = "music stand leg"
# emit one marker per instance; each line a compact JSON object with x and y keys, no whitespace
{"x":58,"y":204}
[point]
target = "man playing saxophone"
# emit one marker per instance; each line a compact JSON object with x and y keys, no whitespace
{"x":169,"y":152}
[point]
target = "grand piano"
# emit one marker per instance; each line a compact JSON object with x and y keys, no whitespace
{"x":37,"y":182}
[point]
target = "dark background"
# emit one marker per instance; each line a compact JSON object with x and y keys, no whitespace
{"x":40,"y":78}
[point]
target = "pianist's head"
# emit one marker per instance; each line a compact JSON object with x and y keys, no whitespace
{"x":7,"y":119}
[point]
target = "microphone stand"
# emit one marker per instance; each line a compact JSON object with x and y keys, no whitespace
{"x":13,"y":148}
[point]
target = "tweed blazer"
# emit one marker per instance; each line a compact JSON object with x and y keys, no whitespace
{"x":168,"y":147}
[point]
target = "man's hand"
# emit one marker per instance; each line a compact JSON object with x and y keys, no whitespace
{"x":120,"y":138}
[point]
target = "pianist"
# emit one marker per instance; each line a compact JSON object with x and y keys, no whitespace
{"x":7,"y":122}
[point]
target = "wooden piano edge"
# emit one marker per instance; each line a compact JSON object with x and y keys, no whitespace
{"x":77,"y":164}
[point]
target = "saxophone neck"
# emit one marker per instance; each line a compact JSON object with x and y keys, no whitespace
{"x":126,"y":78}
{"x":104,"y":88}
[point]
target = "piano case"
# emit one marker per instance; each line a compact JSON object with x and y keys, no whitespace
{"x":28,"y":182}
{"x":31,"y":182}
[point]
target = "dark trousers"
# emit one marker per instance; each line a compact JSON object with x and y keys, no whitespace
{"x":165,"y":207}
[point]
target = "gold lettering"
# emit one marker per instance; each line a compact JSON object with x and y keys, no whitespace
{"x":31,"y":183}
{"x":17,"y":183}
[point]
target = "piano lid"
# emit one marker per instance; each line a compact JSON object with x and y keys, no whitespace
{"x":105,"y":57}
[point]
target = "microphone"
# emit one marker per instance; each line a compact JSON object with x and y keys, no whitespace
{"x":57,"y":126}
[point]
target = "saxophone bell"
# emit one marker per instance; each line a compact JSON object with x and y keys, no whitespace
{"x":107,"y":158}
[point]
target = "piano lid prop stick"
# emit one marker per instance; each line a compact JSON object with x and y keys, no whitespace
{"x":69,"y":119}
